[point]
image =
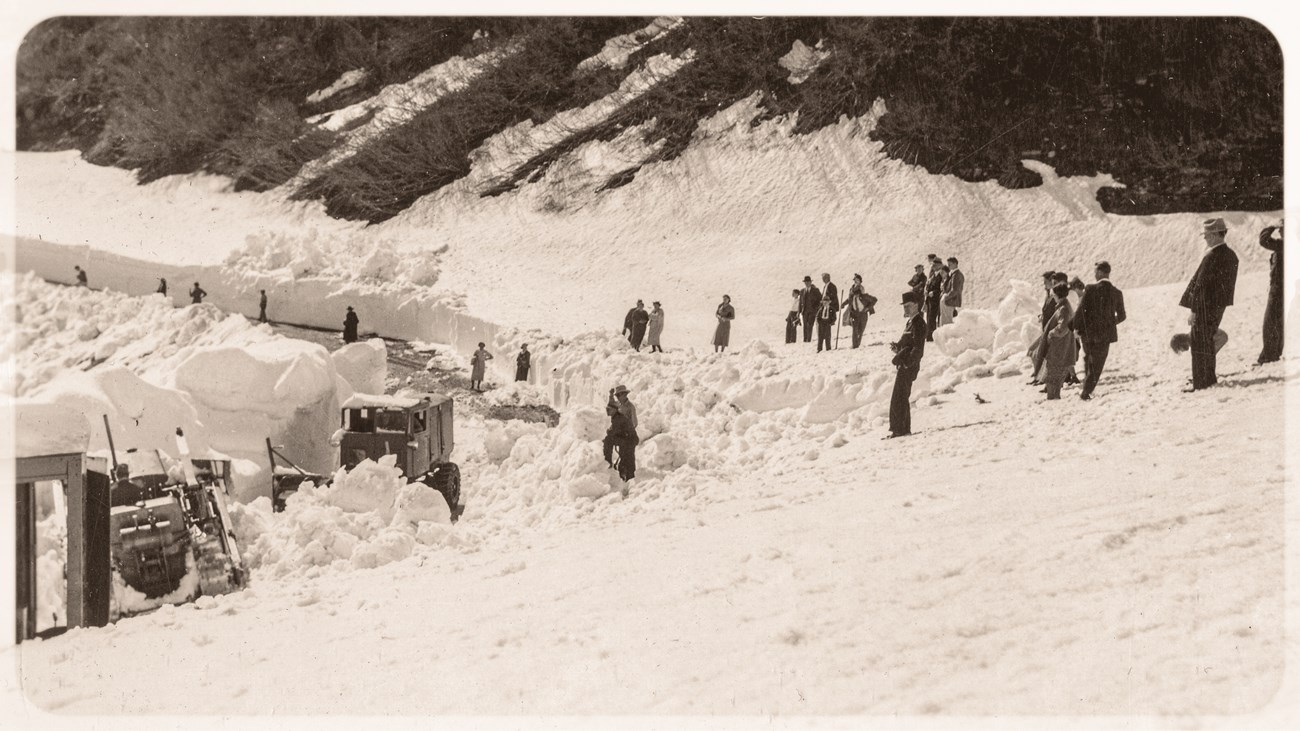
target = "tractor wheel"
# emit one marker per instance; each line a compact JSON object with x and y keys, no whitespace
{"x":446,"y":480}
{"x":215,"y":568}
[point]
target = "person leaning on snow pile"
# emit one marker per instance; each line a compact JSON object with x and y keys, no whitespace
{"x":1208,"y":294}
{"x":621,"y":433}
{"x":907,"y":358}
{"x":82,"y":280}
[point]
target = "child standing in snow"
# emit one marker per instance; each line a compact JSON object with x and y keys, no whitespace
{"x":479,"y":363}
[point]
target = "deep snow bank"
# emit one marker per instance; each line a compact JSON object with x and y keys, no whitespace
{"x":151,"y":368}
{"x":365,"y":518}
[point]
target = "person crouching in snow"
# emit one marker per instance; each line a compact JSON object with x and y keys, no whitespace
{"x":622,"y":433}
{"x":479,"y":362}
{"x":1059,"y":343}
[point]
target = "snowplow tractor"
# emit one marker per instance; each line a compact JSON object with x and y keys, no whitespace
{"x":164,"y":528}
{"x":418,"y":429}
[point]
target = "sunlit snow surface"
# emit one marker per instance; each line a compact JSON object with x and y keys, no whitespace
{"x":773,"y":556}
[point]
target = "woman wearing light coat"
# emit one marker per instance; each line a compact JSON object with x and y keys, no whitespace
{"x":655,"y":328}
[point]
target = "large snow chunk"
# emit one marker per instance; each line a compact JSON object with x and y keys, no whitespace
{"x":370,"y":487}
{"x":363,"y":365}
{"x":418,"y":502}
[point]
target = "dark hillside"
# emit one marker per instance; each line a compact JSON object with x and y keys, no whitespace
{"x":1187,"y":112}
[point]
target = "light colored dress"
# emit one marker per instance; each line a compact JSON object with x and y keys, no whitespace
{"x":655,"y":327}
{"x":479,"y":361}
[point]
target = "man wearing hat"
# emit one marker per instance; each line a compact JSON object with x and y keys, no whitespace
{"x":1100,"y":309}
{"x":635,"y":323}
{"x":907,"y":357}
{"x":1208,"y":294}
{"x":812,"y":299}
{"x":827,"y":310}
{"x":933,"y":293}
{"x":859,"y":305}
{"x":622,"y":432}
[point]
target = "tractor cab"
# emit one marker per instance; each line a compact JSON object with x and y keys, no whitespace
{"x":416,"y":429}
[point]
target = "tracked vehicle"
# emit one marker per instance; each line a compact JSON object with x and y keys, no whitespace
{"x":166,"y":524}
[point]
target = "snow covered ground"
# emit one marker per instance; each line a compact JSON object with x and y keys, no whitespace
{"x":774,"y":557}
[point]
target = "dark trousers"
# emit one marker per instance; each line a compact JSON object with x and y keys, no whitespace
{"x":1203,"y":359}
{"x":1094,"y":360}
{"x":859,"y":321}
{"x":1272,"y":325}
{"x":638,"y":334}
{"x":824,"y":333}
{"x":808,"y":318}
{"x":626,"y":455}
{"x":792,"y":327}
{"x":931,"y":318}
{"x":261,"y":316}
{"x":900,"y":407}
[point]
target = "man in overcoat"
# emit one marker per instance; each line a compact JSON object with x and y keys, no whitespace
{"x":812,"y":300}
{"x":1101,"y":308}
{"x":907,"y":358}
{"x":1208,"y":294}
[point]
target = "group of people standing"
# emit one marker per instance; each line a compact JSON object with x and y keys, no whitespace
{"x":1075,"y":318}
{"x":941,"y":291}
{"x":640,"y":325}
{"x":823,"y":307}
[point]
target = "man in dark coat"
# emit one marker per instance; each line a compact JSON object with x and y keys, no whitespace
{"x":622,"y":432}
{"x":827,"y":310}
{"x":933,"y":293}
{"x":197,"y":294}
{"x":350,"y":322}
{"x":917,"y":282}
{"x":634,"y":324}
{"x":261,"y":306}
{"x":523,"y":362}
{"x":812,"y":300}
{"x":1100,"y":309}
{"x":907,"y":357}
{"x":1273,"y":332}
{"x":954,"y":287}
{"x":82,"y":279}
{"x":1208,"y":294}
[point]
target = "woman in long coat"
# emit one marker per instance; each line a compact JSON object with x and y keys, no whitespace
{"x":725,"y":314}
{"x":479,"y":362}
{"x":655,"y":328}
{"x":1059,"y":341}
